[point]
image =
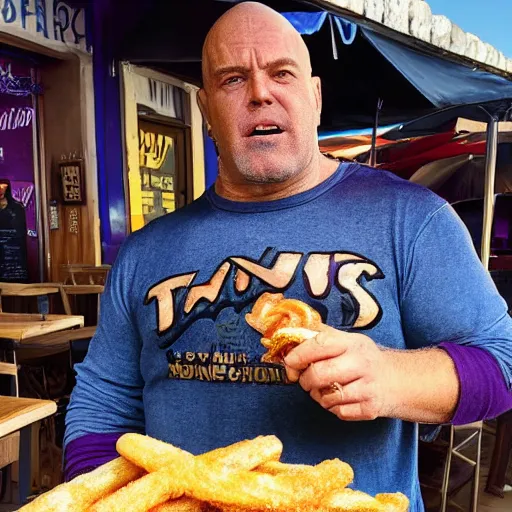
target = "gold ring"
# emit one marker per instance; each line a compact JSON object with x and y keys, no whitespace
{"x":336,"y":386}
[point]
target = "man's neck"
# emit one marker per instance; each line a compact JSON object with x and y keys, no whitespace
{"x":3,"y":203}
{"x":236,"y":190}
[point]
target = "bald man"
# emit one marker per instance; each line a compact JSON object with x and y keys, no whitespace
{"x":257,"y":75}
{"x":414,"y":331}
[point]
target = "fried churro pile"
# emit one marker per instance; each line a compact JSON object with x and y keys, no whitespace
{"x":247,"y":476}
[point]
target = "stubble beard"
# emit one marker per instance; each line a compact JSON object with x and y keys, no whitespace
{"x":278,"y":170}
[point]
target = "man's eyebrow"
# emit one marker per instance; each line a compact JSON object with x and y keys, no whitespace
{"x":231,"y":69}
{"x":285,"y":61}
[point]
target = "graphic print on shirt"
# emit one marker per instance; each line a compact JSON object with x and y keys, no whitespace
{"x":231,"y":292}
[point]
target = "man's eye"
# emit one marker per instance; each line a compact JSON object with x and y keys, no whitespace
{"x":283,"y":73}
{"x":233,"y":80}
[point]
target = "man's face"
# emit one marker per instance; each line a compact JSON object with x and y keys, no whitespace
{"x":3,"y":190}
{"x":261,"y":101}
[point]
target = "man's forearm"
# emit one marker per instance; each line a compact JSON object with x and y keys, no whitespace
{"x":423,"y":385}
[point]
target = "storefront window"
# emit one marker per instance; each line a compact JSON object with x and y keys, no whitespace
{"x":162,"y":155}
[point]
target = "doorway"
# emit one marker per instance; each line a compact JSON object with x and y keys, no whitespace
{"x":21,"y":237}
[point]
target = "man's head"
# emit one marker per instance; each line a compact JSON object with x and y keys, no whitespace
{"x":259,"y":97}
{"x":4,"y":185}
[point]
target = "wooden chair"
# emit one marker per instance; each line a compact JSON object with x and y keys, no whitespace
{"x":9,"y":445}
{"x":79,"y":342}
{"x":11,"y":370}
{"x":78,"y":273}
{"x":74,"y":291}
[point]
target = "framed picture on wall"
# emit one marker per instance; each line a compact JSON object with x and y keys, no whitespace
{"x":72,"y":179}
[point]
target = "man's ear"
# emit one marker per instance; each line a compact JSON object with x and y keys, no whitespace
{"x":203,"y":107}
{"x":317,"y":91}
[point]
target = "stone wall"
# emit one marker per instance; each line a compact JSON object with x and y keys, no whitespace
{"x":414,"y":17}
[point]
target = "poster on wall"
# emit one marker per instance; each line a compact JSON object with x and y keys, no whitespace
{"x":157,"y":160}
{"x":72,"y":180}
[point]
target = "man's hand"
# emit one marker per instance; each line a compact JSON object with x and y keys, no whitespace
{"x":344,"y":372}
{"x":351,"y":376}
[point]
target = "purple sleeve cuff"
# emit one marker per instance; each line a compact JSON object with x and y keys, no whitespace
{"x":484,"y":394}
{"x":89,"y":452}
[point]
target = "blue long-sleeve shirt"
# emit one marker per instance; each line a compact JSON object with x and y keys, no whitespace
{"x":174,"y":357}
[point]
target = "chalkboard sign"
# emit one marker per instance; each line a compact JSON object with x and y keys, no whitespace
{"x":13,"y":257}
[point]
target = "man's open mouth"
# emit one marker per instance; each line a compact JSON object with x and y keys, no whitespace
{"x":262,"y":130}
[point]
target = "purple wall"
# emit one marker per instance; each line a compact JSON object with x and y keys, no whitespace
{"x":17,"y":164}
{"x":109,"y":23}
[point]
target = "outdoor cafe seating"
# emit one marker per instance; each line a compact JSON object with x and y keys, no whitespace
{"x":39,"y":324}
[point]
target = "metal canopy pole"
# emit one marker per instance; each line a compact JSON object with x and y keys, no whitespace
{"x":489,"y":197}
{"x":373,"y":151}
{"x":488,"y":217}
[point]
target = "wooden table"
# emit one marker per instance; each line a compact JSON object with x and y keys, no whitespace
{"x":30,"y":336}
{"x":18,"y":414}
{"x":28,"y":289}
{"x":26,"y":329}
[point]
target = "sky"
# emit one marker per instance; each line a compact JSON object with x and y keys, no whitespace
{"x":490,"y":20}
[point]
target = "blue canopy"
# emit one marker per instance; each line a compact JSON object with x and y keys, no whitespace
{"x":307,"y":23}
{"x":441,"y":81}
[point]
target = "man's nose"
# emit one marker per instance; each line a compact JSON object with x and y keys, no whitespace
{"x":259,"y":91}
